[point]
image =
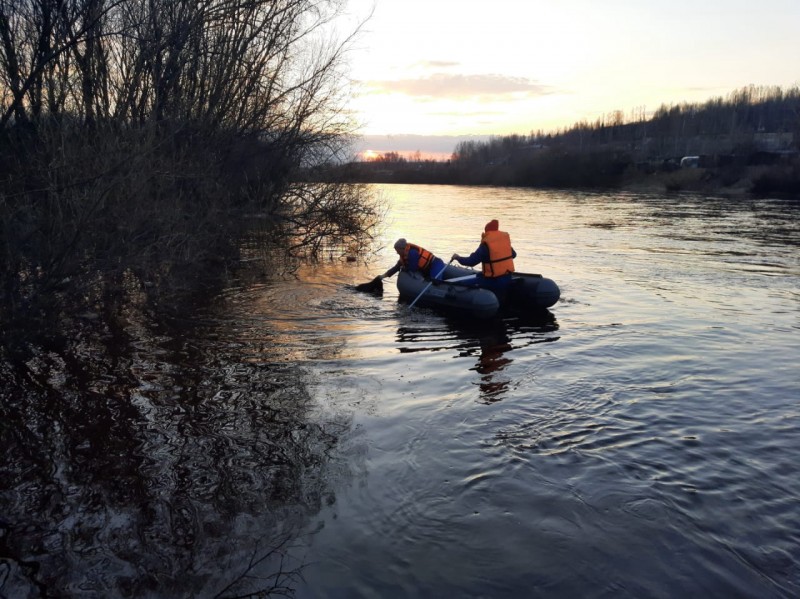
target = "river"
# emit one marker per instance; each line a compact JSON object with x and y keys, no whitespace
{"x":639,"y":439}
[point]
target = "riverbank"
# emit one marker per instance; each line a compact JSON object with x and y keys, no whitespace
{"x":699,"y":180}
{"x":744,"y":178}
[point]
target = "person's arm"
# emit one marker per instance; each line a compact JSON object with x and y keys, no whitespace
{"x":393,"y":270}
{"x":474,"y":258}
{"x":413,"y":260}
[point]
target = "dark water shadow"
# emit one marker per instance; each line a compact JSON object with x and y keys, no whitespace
{"x":490,"y":344}
{"x":147,"y":457}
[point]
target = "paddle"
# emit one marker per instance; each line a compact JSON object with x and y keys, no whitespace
{"x":421,"y":293}
{"x":375,"y":286}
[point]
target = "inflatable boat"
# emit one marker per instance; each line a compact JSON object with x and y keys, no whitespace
{"x":455,"y":292}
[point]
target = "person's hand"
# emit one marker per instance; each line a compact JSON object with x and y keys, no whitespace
{"x":454,"y":257}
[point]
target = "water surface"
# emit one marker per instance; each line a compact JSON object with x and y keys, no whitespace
{"x":639,"y":439}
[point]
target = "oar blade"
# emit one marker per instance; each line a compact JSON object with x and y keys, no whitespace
{"x":375,"y":286}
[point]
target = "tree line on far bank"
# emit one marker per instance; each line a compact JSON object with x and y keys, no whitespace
{"x":141,"y":140}
{"x":754,"y":132}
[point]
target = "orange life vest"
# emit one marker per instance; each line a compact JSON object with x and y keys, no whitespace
{"x":500,"y":254}
{"x":425,"y":257}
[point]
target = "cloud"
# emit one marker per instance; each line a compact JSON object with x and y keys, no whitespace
{"x":441,"y":86}
{"x":469,"y":114}
{"x":437,"y":64}
{"x":431,"y":144}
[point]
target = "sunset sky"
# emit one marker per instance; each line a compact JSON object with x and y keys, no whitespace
{"x":431,"y":72}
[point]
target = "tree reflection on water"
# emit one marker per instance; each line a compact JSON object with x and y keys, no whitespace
{"x":143,"y":458}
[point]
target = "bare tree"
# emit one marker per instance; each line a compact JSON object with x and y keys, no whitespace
{"x":136,"y":134}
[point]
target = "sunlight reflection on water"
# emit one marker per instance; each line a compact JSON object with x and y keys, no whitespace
{"x":616,"y":436}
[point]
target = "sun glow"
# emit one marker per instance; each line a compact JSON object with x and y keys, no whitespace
{"x":369,"y":155}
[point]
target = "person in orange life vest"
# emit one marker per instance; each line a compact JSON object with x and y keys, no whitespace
{"x":496,"y":256}
{"x":414,"y":258}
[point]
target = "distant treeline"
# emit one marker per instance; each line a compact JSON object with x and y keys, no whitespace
{"x":140,"y":140}
{"x":752,"y":126}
